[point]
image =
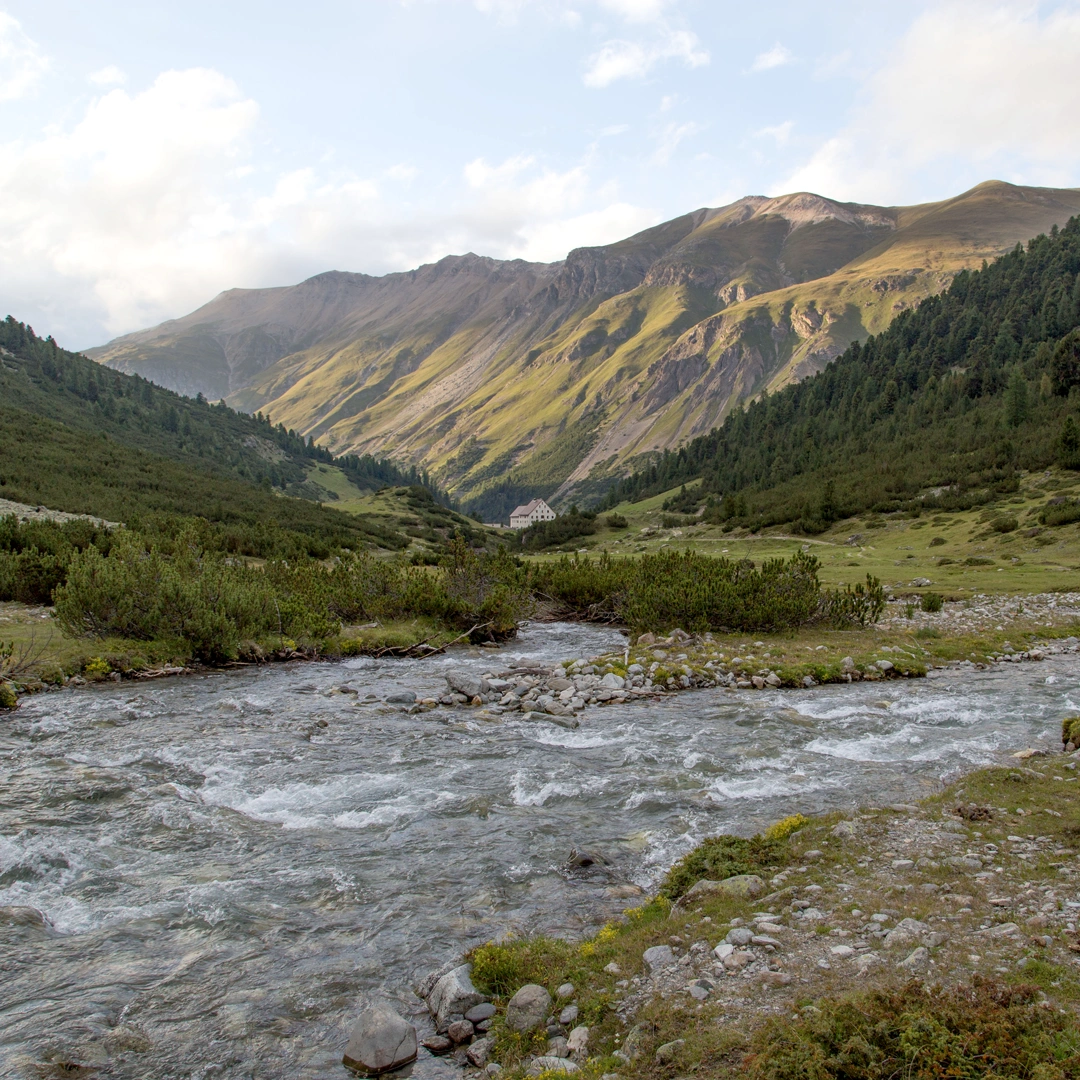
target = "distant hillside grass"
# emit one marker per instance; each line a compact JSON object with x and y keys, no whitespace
{"x":959,"y":394}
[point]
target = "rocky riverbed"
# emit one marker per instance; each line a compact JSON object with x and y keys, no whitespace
{"x":216,"y":875}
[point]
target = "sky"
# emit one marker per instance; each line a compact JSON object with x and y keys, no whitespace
{"x":154,"y":153}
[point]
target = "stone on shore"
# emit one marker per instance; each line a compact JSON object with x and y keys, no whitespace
{"x":381,"y":1041}
{"x":460,"y":1031}
{"x":528,"y":1008}
{"x":465,"y":683}
{"x":479,"y":1052}
{"x":452,"y":997}
{"x":544,"y":1064}
{"x":658,"y":958}
{"x":479,"y":1013}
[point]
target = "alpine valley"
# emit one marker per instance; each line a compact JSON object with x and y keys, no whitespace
{"x":508,"y":380}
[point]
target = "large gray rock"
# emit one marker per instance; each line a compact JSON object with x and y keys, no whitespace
{"x":380,"y":1042}
{"x":466,"y":683}
{"x":452,"y":997}
{"x":528,"y":1008}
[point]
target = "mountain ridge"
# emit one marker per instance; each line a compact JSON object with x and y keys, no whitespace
{"x":510,"y":379}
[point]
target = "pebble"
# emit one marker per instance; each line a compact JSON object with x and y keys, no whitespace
{"x":477,"y":1013}
{"x":565,"y":991}
{"x":740,"y":935}
{"x":568,"y":1015}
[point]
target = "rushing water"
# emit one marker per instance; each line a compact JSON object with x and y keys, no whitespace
{"x":230,"y":866}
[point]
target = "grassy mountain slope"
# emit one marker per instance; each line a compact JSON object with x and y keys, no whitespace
{"x":514,"y":379}
{"x":76,"y":438}
{"x":956,"y":396}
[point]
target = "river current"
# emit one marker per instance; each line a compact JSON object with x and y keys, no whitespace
{"x":229,"y":866}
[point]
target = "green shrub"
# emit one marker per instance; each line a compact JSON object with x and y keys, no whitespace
{"x":918,"y":1032}
{"x":616,"y":521}
{"x":1070,"y":730}
{"x":1004,"y":524}
{"x":932,"y":602}
{"x":1063,"y":513}
{"x":937,"y":541}
{"x":719,"y":857}
{"x":978,"y":560}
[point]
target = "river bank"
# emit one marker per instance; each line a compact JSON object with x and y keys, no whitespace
{"x":227,"y":867}
{"x":960,"y":913}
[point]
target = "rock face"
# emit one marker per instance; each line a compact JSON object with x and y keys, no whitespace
{"x":380,"y":1042}
{"x":452,"y":997}
{"x":528,"y":1008}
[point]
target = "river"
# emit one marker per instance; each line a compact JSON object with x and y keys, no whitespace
{"x":230,"y":865}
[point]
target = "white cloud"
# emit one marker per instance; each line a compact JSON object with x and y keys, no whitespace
{"x":108,"y":76}
{"x":780,"y":132}
{"x":670,"y":138}
{"x":614,"y":129}
{"x":994,"y":88}
{"x":403,"y":171}
{"x":621,"y":59}
{"x":150,"y":204}
{"x":22,"y":64}
{"x":637,"y":10}
{"x":777,"y":56}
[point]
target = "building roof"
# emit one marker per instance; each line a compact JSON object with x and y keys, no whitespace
{"x":528,"y":508}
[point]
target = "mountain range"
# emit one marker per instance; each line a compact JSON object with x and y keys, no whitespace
{"x":509,"y":380}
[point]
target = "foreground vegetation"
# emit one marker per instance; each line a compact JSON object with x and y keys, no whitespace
{"x":995,"y":990}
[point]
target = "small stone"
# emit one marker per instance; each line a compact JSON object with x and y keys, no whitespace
{"x":528,"y":1008}
{"x":917,"y":960}
{"x":493,"y":1068}
{"x":401,"y":697}
{"x":380,"y":1042}
{"x":544,"y":1064}
{"x":738,"y":960}
{"x":479,"y":1052}
{"x":667,"y":1053}
{"x":565,"y":991}
{"x":725,"y":948}
{"x":612,"y":968}
{"x":578,"y":1042}
{"x":773,"y":680}
{"x":568,"y":1015}
{"x":740,"y":935}
{"x":478,"y":1013}
{"x":773,"y":979}
{"x":557,"y":1047}
{"x":658,"y":957}
{"x":903,"y":864}
{"x":845,"y":830}
{"x":697,"y":991}
{"x":885,"y":665}
{"x":1002,"y":930}
{"x":842,"y":950}
{"x":808,"y":681}
{"x":765,"y":941}
{"x":460,"y":1031}
{"x":438,"y":1044}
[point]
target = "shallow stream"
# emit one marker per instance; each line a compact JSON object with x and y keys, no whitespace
{"x":229,"y":866}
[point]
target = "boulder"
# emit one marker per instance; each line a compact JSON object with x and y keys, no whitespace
{"x":401,"y":697}
{"x":611,"y":681}
{"x":381,"y":1041}
{"x":528,"y":1008}
{"x":452,"y":997}
{"x":478,"y":1054}
{"x":464,"y":682}
{"x":739,"y":935}
{"x":544,"y":1064}
{"x":658,"y":958}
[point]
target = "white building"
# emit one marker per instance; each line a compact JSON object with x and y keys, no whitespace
{"x":530,"y":513}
